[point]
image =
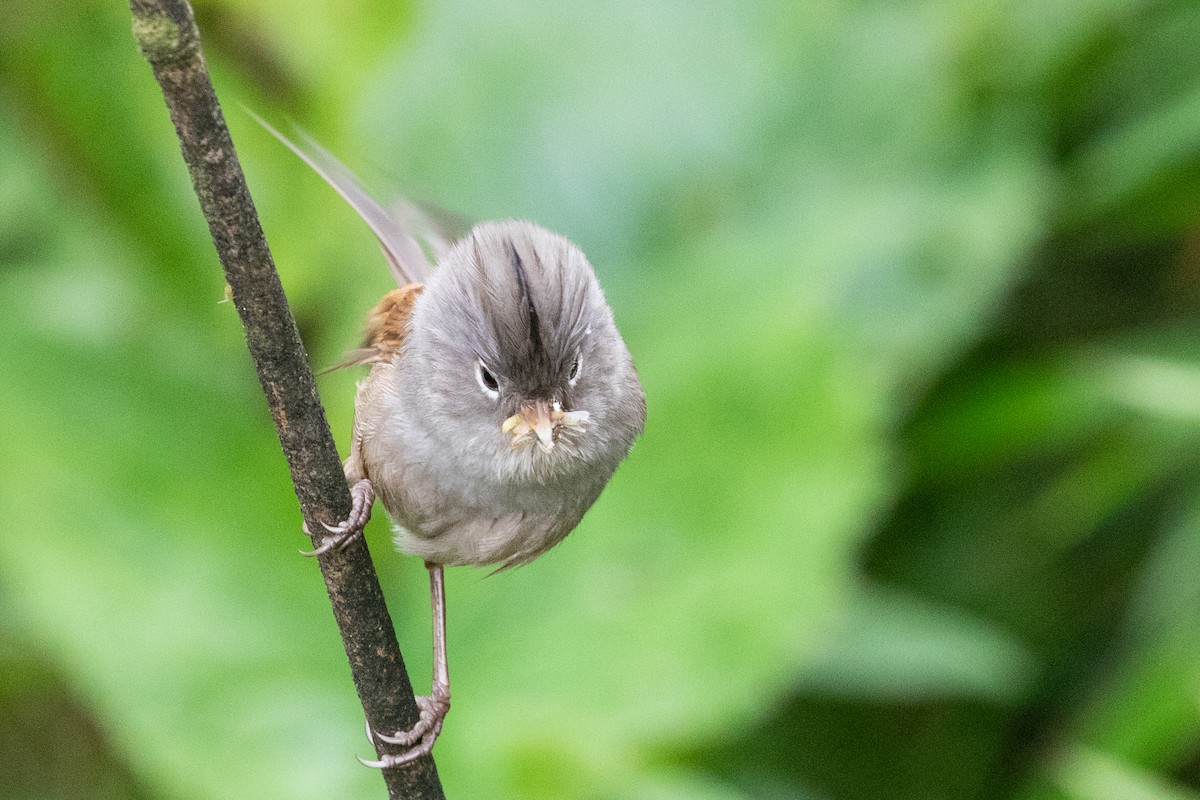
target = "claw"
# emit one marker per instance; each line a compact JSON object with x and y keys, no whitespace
{"x":419,"y":738}
{"x":327,"y":544}
{"x":387,"y":762}
{"x":349,"y":530}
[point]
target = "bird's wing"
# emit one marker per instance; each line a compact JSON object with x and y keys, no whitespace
{"x":394,"y":231}
{"x":387,"y":326}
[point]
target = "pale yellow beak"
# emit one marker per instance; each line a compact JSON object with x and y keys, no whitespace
{"x":537,"y":415}
{"x":540,"y":420}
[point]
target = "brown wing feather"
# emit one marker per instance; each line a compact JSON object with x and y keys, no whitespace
{"x":387,"y":326}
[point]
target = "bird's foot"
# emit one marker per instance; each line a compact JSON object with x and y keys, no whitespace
{"x":419,"y":738}
{"x":362,"y":495}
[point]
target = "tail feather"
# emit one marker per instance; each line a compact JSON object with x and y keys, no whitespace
{"x":401,"y":248}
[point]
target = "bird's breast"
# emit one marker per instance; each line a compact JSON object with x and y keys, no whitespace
{"x":454,"y":517}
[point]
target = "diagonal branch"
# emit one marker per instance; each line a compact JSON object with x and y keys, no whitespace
{"x":167,"y":33}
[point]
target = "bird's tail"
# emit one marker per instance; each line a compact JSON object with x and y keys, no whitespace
{"x":397,"y":231}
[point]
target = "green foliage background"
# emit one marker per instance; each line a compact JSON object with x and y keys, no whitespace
{"x":912,"y":289}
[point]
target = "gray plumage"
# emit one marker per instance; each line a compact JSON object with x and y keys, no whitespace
{"x":526,"y":303}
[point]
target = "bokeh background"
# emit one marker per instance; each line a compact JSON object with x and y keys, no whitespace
{"x":912,"y":287}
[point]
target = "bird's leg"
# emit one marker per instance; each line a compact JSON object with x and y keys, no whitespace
{"x":362,"y":495}
{"x":420,"y":737}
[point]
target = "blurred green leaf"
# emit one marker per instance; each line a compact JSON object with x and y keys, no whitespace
{"x":1086,"y":775}
{"x":897,"y":647}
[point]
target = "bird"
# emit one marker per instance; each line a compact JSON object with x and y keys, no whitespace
{"x":499,"y":402}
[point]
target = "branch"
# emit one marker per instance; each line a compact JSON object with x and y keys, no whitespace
{"x":167,"y":33}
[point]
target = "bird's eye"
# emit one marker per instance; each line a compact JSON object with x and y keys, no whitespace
{"x":487,"y":381}
{"x":573,"y":375}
